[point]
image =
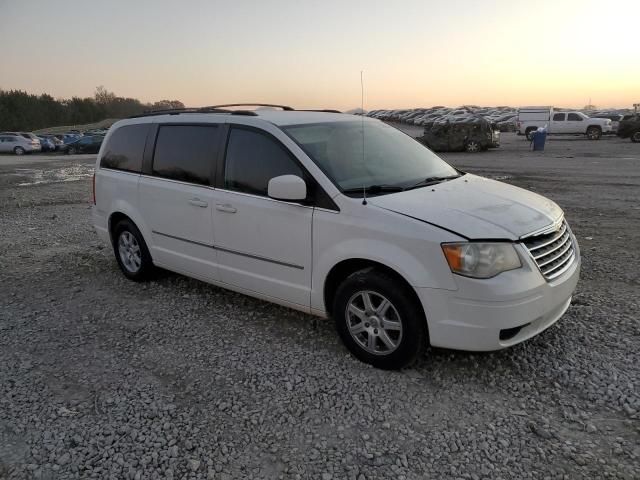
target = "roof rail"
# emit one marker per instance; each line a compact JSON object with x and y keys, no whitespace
{"x":223,"y":109}
{"x":177,"y":111}
{"x":283,"y":107}
{"x":321,"y":110}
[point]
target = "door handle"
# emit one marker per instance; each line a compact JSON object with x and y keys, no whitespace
{"x":225,"y":207}
{"x":196,"y":202}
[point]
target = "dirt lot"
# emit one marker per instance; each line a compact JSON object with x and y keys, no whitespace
{"x":104,"y":378}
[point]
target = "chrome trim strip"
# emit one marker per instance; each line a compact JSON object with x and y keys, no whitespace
{"x":565,"y":238}
{"x":567,"y":265}
{"x":234,"y":252}
{"x":550,"y":241}
{"x":544,"y":230}
{"x":183,"y":239}
{"x":561,"y":260}
{"x":258,"y":257}
{"x":263,"y":197}
{"x":556,"y":257}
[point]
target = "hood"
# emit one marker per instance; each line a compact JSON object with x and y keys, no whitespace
{"x":475,"y":207}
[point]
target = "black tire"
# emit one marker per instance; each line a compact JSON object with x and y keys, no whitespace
{"x":410,"y":340}
{"x":19,"y":151}
{"x":472,"y":146}
{"x":126,"y":229}
{"x":529,"y":133}
{"x":594,"y":133}
{"x":71,"y":151}
{"x":635,"y":136}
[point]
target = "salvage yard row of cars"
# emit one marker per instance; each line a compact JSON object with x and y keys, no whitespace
{"x":73,"y":142}
{"x":504,"y":117}
{"x":475,"y":129}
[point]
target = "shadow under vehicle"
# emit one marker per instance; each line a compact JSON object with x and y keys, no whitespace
{"x":472,"y":136}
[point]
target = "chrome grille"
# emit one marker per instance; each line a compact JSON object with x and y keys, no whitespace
{"x":553,"y":252}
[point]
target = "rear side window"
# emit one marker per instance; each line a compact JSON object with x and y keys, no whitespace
{"x":125,"y":148}
{"x":185,"y":152}
{"x":558,"y":117}
{"x":253,"y":159}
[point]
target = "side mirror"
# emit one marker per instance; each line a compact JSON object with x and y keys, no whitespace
{"x":287,"y":187}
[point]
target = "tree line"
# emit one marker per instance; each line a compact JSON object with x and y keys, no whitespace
{"x":22,"y":111}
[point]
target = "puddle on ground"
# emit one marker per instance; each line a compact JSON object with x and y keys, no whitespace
{"x":36,"y":176}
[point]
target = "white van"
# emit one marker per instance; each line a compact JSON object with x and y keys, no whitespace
{"x":336,"y":215}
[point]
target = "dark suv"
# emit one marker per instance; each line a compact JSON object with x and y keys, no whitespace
{"x":630,"y":127}
{"x":471,"y":136}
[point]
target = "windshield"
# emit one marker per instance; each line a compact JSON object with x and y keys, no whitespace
{"x":365,"y":154}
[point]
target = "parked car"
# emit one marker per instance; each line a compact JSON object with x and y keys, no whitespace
{"x":47,"y":144}
{"x":56,"y":140}
{"x":614,"y":117}
{"x":472,"y":136}
{"x":560,"y":122}
{"x":407,"y":250}
{"x":86,"y":144}
{"x":18,"y":144}
{"x":630,"y":128}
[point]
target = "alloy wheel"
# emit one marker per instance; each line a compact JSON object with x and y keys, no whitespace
{"x":473,"y":146}
{"x":129,"y":251}
{"x":373,"y":322}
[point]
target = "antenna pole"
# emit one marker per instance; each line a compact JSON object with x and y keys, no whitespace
{"x":364,"y":189}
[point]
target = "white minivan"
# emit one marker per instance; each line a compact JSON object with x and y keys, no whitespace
{"x":338,"y":216}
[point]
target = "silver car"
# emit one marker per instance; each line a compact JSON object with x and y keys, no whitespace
{"x":16,"y":143}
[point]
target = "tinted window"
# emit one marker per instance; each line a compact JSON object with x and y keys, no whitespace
{"x":558,"y":117}
{"x":253,"y":159}
{"x":125,"y":148}
{"x":574,"y":117}
{"x":185,"y":153}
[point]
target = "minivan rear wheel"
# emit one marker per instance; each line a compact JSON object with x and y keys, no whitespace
{"x":19,"y":151}
{"x":131,"y":251}
{"x":635,"y":137}
{"x":379,"y":321}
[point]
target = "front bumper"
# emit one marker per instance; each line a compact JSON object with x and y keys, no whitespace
{"x":491,"y":314}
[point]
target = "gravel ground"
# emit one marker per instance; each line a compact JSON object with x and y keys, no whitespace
{"x":104,"y":378}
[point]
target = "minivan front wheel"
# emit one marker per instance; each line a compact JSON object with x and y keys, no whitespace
{"x":131,"y":251}
{"x":379,"y":321}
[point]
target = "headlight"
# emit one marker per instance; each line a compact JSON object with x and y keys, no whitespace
{"x":481,"y":260}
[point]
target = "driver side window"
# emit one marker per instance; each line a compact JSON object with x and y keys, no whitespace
{"x":254,"y":158}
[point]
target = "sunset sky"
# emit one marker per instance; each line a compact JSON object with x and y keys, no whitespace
{"x":310,"y":53}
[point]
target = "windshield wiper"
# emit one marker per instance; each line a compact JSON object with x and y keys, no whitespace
{"x":373,"y":189}
{"x":430,"y":181}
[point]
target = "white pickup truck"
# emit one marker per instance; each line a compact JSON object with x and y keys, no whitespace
{"x":560,"y":122}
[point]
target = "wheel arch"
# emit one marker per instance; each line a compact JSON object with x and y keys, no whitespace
{"x":341,"y":270}
{"x":118,"y":215}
